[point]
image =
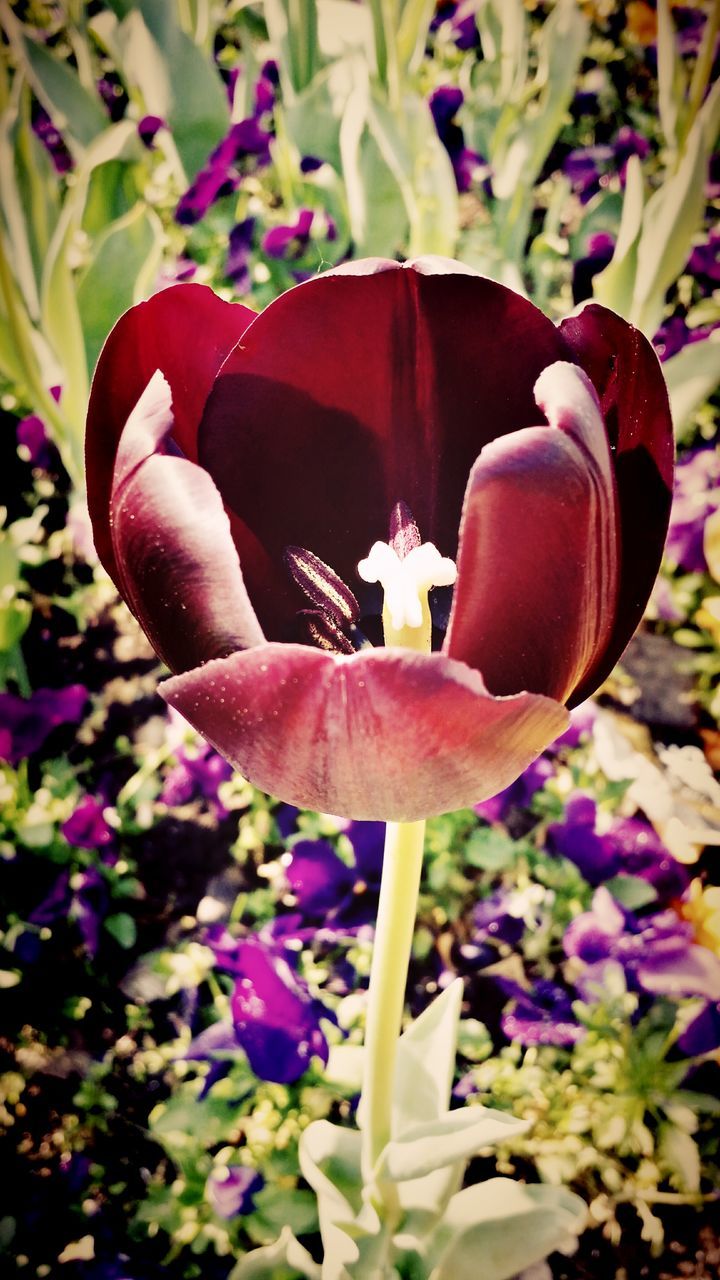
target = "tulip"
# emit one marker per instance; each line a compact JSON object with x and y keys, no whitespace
{"x":241,"y":467}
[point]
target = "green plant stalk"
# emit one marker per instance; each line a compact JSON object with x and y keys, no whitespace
{"x":397,"y":909}
{"x":703,"y":67}
{"x":66,"y":440}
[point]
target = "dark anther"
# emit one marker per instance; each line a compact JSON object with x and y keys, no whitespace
{"x":325,"y":631}
{"x":322,"y":585}
{"x":404,"y":533}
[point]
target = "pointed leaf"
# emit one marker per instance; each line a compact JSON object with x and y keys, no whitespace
{"x":692,"y":375}
{"x":286,"y":1259}
{"x":455,"y":1136}
{"x":126,"y":257}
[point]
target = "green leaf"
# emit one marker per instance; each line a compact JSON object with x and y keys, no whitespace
{"x":631,"y":891}
{"x":286,"y":1259}
{"x":125,"y":259}
{"x":177,"y":82}
{"x":122,"y":928}
{"x":276,"y":1207}
{"x":453,"y":1137}
{"x":413,"y":32}
{"x":691,"y":376}
{"x":615,"y":285}
{"x":679,"y":1153}
{"x":61,"y":319}
{"x":73,"y":109}
{"x":410,"y":146}
{"x":672,"y":216}
{"x":672,"y":81}
{"x":490,"y":850}
{"x":426,"y":1062}
{"x":508,"y":1225}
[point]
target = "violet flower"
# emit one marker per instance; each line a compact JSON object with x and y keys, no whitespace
{"x":543,"y":1015}
{"x":290,"y":240}
{"x":25,"y":723}
{"x":460,"y":17}
{"x":239,"y":256}
{"x":82,"y":898}
{"x":197,"y":504}
{"x":148,"y":129}
{"x":197,"y":775}
{"x":520,"y":792}
{"x":629,"y":847}
{"x":656,"y":952}
{"x":696,"y":497}
{"x":52,"y":140}
{"x":275,"y":1019}
{"x":702,"y":1035}
{"x":231,"y":1189}
{"x":86,"y":827}
{"x":588,"y":167}
{"x":444,"y":104}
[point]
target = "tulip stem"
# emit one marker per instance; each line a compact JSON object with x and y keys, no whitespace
{"x":397,"y":909}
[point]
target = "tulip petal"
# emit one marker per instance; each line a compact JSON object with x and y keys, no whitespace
{"x":535,"y":594}
{"x":634,"y":404}
{"x":384,"y":734}
{"x":186,"y":332}
{"x":361,"y":388}
{"x":176,"y":560}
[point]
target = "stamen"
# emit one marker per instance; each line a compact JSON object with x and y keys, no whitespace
{"x":325,"y":632}
{"x":404,"y":533}
{"x":322,"y":585}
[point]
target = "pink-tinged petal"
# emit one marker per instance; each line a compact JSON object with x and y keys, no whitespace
{"x":536,"y":589}
{"x":186,"y":332}
{"x":176,"y":561}
{"x":633,"y":400}
{"x":361,"y":388}
{"x":386,"y":734}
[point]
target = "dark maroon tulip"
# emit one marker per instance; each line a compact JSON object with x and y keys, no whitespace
{"x":264,"y":443}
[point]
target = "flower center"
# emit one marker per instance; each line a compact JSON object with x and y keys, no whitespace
{"x":407,"y":568}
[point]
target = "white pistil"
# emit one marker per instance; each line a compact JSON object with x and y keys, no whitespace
{"x":406,"y":583}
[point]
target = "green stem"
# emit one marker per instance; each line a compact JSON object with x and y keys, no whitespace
{"x":402,"y":865}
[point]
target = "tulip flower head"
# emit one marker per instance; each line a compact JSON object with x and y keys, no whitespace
{"x":384,"y":533}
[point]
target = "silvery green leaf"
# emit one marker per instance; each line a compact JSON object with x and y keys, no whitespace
{"x":672,"y":217}
{"x":73,"y":108}
{"x":506,"y":1225}
{"x":614,"y":286}
{"x":176,"y":80}
{"x":453,"y":1137}
{"x":330,"y":1161}
{"x":692,"y":375}
{"x":413,"y":32}
{"x":678,"y":1151}
{"x":28,"y":197}
{"x":426,"y":1062}
{"x":286,"y":1259}
{"x":125,"y":260}
{"x":672,"y":81}
{"x":409,"y":144}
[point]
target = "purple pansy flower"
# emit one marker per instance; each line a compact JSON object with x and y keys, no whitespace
{"x":542,"y":1015}
{"x":597,"y":253}
{"x":245,"y":141}
{"x":461,"y":19}
{"x":696,"y":496}
{"x":275,"y":1020}
{"x":702,"y":1035}
{"x":519,"y":794}
{"x":33,"y":437}
{"x":52,"y":140}
{"x":230,"y":1189}
{"x":444,"y":104}
{"x":494,"y":918}
{"x":290,"y":240}
{"x":81,"y":897}
{"x":86,"y":827}
{"x":657,"y":952}
{"x":237,"y":263}
{"x":25,"y":723}
{"x":197,"y":775}
{"x":330,"y":896}
{"x":148,"y":128}
{"x":589,"y":167}
{"x":575,"y":838}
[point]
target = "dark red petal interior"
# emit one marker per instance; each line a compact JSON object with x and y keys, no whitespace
{"x":354,"y":391}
